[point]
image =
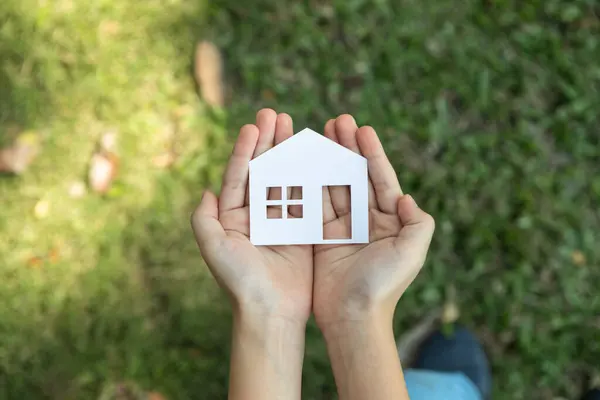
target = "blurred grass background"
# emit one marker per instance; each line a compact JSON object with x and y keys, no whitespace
{"x":488,"y":110}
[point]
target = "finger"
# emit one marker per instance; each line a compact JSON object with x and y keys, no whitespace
{"x":328,"y":211}
{"x":351,"y":142}
{"x":205,"y":222}
{"x":346,"y":130}
{"x":340,"y":195}
{"x":266,"y":120}
{"x":235,"y":180}
{"x":382,"y":174}
{"x":417,"y":226}
{"x":284,"y":128}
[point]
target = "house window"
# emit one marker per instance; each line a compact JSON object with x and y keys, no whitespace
{"x":285,"y":202}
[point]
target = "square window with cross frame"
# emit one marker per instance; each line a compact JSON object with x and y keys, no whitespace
{"x":284,"y":202}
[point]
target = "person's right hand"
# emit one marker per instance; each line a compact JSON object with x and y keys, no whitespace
{"x":266,"y":281}
{"x":359,"y":282}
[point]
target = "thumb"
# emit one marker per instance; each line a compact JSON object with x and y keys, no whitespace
{"x":205,"y":221}
{"x":417,"y":225}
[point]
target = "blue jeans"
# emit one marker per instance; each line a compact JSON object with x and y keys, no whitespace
{"x":429,"y":385}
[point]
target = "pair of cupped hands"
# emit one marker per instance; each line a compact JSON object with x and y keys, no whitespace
{"x":338,"y":283}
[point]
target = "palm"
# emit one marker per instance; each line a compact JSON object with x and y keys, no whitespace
{"x":281,"y":276}
{"x":353,"y":275}
{"x":340,"y":270}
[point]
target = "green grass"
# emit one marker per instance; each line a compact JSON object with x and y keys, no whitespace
{"x":488,"y":110}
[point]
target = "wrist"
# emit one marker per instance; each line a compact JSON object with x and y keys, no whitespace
{"x":263,"y":325}
{"x":353,"y":318}
{"x":352,"y":330}
{"x":271,"y":308}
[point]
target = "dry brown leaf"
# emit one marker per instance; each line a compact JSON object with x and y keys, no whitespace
{"x":156,"y":396}
{"x":182,"y":111}
{"x":54,"y":255}
{"x":450,"y":313}
{"x":268,"y":95}
{"x":195,"y":353}
{"x":578,"y":258}
{"x":35,"y":262}
{"x":104,"y":164}
{"x":108,"y":29}
{"x":108,"y":142}
{"x":77,"y":190}
{"x":102,"y":172}
{"x":41,"y":209}
{"x":164,"y":160}
{"x":208,"y":71}
{"x":16,"y":158}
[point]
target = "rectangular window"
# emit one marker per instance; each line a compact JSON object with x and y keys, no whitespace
{"x":341,"y":205}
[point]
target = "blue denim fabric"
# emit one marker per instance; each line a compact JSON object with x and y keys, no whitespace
{"x":429,"y":385}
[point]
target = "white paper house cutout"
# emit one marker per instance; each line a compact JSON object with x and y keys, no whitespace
{"x":311,"y":161}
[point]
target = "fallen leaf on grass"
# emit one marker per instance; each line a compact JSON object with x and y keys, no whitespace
{"x":77,"y":190}
{"x":52,"y":257}
{"x":450,"y":313}
{"x":123,"y":391}
{"x":103,"y":169}
{"x":104,"y":164}
{"x":35,"y":262}
{"x":182,"y":111}
{"x":16,"y":158}
{"x":578,"y":258}
{"x":156,"y":396}
{"x":208,"y":72}
{"x":108,"y":29}
{"x":168,"y":136}
{"x":41,"y":209}
{"x":195,"y":353}
{"x":108,"y":142}
{"x":268,"y":95}
{"x":164,"y":160}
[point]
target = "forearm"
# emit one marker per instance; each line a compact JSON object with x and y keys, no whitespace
{"x":365,"y":360}
{"x":266,"y":358}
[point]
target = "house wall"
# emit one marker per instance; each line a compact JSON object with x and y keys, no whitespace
{"x":309,"y":229}
{"x":310,"y":162}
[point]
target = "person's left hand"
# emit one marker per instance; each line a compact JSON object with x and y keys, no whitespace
{"x":271,"y":281}
{"x":356,"y":282}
